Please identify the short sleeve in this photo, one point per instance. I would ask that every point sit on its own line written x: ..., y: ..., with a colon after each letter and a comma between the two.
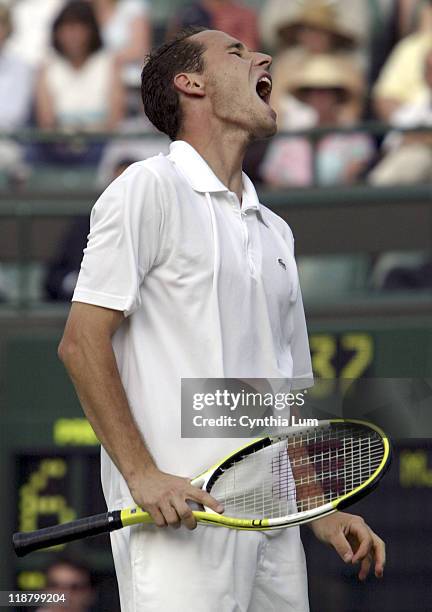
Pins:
x: 124, y: 242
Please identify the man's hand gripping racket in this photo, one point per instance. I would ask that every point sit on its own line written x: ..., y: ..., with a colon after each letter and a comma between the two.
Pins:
x: 165, y: 498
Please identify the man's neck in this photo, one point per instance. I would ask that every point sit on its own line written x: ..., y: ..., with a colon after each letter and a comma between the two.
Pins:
x: 224, y: 156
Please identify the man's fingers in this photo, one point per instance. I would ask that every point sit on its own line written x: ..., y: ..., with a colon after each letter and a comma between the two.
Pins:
x: 185, y: 513
x: 342, y: 546
x: 170, y: 515
x: 205, y: 499
x: 363, y: 534
x: 379, y: 554
x: 365, y: 567
x: 370, y: 546
x: 157, y: 516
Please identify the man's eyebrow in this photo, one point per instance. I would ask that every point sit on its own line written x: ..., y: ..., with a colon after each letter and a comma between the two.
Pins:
x: 236, y: 45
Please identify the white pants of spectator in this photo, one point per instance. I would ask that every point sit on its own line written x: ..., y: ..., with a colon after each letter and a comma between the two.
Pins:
x: 210, y: 569
x: 411, y: 163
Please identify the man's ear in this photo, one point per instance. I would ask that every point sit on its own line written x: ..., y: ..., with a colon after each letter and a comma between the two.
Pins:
x: 189, y: 83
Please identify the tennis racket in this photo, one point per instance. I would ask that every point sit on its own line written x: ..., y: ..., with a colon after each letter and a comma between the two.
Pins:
x: 272, y: 482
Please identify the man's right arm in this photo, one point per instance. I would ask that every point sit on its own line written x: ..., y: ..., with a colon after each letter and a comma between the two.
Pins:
x: 87, y: 353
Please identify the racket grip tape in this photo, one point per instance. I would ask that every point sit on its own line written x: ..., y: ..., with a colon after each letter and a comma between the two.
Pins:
x: 27, y: 542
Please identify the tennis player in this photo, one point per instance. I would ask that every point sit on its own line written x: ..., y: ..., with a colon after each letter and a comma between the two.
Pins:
x: 187, y: 274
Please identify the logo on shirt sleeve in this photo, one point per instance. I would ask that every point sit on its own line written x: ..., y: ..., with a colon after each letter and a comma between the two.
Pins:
x: 282, y: 263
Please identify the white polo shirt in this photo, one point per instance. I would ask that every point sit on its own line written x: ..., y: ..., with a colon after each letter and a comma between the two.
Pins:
x: 209, y: 289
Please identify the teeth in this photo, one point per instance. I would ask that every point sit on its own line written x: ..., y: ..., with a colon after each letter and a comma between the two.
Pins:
x: 265, y: 79
x: 264, y: 87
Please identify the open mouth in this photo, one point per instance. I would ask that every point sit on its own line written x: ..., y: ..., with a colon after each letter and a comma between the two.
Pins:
x: 264, y: 88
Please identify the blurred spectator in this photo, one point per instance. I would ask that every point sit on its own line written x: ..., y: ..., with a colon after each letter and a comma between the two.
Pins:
x: 16, y: 88
x: 281, y: 21
x: 32, y: 21
x: 401, y: 79
x: 376, y: 24
x: 74, y: 579
x: 409, y: 155
x: 326, y: 85
x: 79, y: 87
x: 16, y: 81
x: 62, y: 273
x: 230, y: 16
x: 126, y: 32
x: 312, y: 31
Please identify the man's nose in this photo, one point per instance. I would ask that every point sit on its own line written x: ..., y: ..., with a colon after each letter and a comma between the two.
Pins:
x: 262, y: 59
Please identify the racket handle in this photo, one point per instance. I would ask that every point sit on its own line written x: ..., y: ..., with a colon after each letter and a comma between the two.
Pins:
x: 25, y: 543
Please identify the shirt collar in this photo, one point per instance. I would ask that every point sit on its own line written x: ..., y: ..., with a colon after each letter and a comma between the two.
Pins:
x: 202, y: 178
x: 194, y: 168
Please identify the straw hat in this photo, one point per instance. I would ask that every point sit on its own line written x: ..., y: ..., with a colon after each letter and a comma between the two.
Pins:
x: 316, y: 14
x: 327, y: 72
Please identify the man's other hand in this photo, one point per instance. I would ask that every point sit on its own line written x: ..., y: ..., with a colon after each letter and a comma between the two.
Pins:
x: 353, y: 540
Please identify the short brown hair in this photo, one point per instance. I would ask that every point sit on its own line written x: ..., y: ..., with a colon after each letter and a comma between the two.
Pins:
x: 160, y: 98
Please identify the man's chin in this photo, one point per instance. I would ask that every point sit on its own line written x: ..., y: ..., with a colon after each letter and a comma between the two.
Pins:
x: 272, y: 127
x: 265, y: 128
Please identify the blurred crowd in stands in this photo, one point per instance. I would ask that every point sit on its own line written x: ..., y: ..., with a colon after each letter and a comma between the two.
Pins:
x: 74, y: 66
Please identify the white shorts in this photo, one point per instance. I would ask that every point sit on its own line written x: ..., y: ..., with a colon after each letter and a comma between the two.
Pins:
x: 210, y: 569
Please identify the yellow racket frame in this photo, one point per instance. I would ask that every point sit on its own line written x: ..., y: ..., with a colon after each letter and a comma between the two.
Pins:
x: 137, y: 516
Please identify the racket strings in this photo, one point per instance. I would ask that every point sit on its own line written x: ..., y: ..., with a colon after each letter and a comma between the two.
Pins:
x: 299, y: 472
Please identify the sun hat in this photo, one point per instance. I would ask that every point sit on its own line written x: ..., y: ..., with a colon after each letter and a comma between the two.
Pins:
x: 318, y: 14
x: 326, y: 72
